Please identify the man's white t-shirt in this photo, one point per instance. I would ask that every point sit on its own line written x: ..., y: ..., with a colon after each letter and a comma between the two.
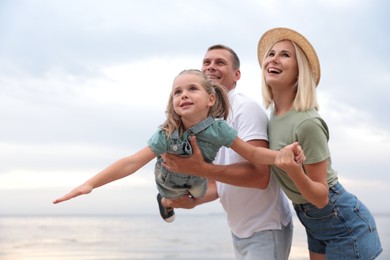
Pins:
x: 250, y: 210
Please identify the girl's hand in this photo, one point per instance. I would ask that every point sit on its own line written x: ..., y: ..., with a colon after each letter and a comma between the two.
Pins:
x: 81, y: 190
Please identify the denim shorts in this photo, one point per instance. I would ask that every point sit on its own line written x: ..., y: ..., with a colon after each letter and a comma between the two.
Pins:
x: 343, y: 229
x: 175, y: 185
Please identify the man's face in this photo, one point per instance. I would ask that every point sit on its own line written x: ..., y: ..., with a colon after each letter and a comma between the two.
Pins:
x: 218, y: 65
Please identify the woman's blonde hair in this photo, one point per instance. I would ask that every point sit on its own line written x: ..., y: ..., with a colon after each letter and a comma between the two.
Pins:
x: 220, y: 109
x: 305, y: 97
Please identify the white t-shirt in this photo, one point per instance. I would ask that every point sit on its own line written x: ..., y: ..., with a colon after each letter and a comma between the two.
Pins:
x: 250, y: 210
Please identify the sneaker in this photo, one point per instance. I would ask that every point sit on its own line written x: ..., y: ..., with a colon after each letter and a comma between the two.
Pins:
x: 168, y: 214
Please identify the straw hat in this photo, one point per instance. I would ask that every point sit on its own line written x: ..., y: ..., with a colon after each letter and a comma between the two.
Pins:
x: 275, y: 35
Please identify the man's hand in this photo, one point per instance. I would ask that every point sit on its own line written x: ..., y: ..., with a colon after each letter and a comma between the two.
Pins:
x: 189, y: 165
x: 185, y: 202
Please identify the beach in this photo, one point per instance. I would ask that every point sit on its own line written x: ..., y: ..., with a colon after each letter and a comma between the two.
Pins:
x: 133, y: 237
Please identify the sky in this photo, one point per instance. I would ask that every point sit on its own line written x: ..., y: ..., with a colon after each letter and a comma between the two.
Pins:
x: 85, y: 83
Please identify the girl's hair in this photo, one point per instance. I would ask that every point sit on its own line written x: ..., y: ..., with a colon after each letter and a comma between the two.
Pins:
x: 305, y: 97
x: 220, y: 109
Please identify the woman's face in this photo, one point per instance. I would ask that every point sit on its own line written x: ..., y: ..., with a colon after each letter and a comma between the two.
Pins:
x: 280, y: 67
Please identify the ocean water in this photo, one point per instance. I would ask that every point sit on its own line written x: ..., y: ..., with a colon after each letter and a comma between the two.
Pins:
x: 133, y: 237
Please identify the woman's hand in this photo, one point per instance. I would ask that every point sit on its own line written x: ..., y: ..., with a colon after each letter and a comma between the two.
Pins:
x: 298, y: 153
x: 290, y: 158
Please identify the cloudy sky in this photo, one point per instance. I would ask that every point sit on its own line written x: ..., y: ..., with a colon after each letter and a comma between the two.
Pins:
x: 84, y: 83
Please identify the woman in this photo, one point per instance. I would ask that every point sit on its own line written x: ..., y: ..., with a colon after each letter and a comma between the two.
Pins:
x: 338, y: 225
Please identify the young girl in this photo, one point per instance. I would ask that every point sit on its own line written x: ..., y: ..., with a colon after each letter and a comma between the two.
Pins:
x: 195, y: 107
x: 338, y: 225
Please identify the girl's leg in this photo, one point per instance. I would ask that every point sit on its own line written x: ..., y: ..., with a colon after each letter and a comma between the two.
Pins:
x: 197, y: 187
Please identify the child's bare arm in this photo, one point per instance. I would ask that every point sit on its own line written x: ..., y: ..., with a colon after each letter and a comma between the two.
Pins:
x: 119, y: 169
x: 255, y: 155
x: 261, y: 155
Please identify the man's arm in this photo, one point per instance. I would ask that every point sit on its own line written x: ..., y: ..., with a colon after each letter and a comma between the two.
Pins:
x: 189, y: 202
x: 242, y: 174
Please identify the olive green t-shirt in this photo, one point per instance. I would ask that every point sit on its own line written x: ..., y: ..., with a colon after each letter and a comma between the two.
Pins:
x: 312, y: 134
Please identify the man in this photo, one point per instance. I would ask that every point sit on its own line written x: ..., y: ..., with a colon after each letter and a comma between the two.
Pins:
x: 257, y: 211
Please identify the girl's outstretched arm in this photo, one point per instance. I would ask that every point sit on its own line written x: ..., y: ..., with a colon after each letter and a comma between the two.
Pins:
x: 119, y: 169
x: 256, y: 155
x: 261, y: 155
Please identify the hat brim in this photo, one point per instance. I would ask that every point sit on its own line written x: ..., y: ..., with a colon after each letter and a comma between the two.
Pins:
x: 275, y: 35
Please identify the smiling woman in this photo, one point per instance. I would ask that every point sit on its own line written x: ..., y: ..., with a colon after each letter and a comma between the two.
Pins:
x: 319, y: 198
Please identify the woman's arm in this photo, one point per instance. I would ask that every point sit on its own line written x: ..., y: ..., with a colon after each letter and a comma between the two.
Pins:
x: 261, y: 155
x: 119, y: 169
x: 311, y: 182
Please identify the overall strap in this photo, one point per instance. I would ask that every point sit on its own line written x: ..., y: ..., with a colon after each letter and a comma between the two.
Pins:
x: 175, y: 135
x: 202, y: 125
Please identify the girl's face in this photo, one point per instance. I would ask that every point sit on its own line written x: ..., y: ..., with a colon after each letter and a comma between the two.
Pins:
x: 280, y: 67
x: 190, y: 99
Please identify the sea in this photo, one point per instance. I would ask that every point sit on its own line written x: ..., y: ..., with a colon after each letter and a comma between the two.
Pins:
x: 203, y: 236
